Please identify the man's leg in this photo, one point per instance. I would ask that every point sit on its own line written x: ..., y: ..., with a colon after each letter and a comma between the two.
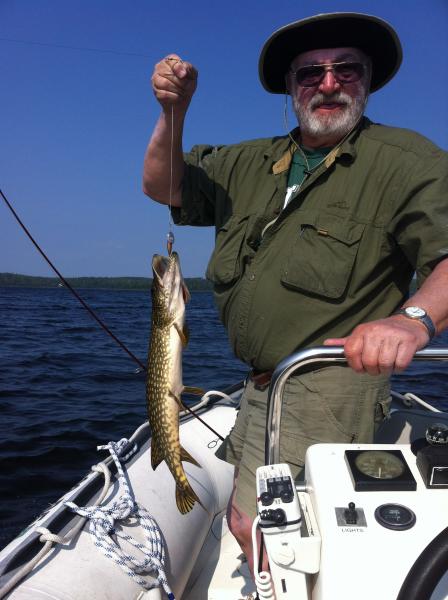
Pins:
x: 332, y: 405
x: 240, y: 524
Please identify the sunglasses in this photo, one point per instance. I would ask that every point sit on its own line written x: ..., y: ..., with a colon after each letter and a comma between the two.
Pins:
x: 343, y: 72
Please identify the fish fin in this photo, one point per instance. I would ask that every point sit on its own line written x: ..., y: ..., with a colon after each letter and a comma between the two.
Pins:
x: 183, y: 334
x: 186, y: 293
x: 185, y: 499
x: 195, y: 391
x: 186, y: 332
x: 186, y: 456
x: 156, y: 454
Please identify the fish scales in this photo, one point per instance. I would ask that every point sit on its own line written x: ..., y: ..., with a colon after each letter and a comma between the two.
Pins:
x: 164, y: 378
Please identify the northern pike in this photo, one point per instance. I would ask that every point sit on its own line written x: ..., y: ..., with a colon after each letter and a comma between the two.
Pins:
x: 169, y: 335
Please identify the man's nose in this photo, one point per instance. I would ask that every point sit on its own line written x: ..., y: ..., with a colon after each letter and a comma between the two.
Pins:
x: 329, y: 83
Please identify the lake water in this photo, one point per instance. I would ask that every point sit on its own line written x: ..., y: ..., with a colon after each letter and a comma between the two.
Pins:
x: 66, y: 387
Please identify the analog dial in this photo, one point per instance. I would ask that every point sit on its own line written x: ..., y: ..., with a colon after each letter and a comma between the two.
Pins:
x: 379, y: 464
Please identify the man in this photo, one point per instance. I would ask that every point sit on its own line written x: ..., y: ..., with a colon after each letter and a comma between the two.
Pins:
x: 318, y: 236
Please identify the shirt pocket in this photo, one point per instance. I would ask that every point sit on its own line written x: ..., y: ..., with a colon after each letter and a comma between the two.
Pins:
x: 322, y: 256
x: 227, y: 260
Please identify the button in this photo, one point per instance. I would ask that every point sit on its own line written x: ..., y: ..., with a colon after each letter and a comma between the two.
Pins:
x: 252, y: 276
x: 286, y: 496
x: 266, y: 499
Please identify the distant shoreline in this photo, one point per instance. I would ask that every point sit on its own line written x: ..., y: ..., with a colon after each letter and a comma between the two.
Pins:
x: 194, y: 284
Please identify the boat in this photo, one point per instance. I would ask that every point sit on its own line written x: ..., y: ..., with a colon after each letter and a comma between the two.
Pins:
x: 368, y: 522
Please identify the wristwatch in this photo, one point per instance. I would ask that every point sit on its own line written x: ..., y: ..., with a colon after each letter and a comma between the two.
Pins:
x: 419, y: 314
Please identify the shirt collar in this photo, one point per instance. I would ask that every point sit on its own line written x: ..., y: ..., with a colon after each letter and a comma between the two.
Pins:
x: 282, y: 150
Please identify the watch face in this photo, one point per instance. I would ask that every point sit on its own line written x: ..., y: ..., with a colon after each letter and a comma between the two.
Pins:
x: 415, y: 312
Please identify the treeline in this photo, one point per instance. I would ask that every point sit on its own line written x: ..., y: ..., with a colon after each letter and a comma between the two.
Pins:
x: 114, y: 283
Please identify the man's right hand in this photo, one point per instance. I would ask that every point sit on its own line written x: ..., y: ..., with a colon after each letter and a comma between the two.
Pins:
x: 174, y: 82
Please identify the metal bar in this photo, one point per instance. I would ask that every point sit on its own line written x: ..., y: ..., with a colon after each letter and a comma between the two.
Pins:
x: 306, y: 360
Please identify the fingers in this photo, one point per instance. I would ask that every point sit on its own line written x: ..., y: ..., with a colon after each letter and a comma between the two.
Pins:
x: 174, y: 81
x: 382, y: 347
x: 335, y: 341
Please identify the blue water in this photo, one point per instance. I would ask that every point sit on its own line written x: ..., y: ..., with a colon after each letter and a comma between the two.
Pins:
x: 66, y: 387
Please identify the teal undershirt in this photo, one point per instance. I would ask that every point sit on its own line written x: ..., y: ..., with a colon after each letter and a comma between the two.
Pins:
x: 298, y: 165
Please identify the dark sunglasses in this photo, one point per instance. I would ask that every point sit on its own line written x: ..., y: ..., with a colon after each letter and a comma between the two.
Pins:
x: 343, y: 72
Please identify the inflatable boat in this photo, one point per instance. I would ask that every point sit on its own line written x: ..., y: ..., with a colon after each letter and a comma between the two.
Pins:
x: 369, y: 521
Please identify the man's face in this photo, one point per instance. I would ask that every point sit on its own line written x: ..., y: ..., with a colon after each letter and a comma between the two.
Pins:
x: 331, y: 108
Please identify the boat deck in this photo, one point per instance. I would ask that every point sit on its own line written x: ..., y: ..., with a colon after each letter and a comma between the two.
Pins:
x: 224, y: 574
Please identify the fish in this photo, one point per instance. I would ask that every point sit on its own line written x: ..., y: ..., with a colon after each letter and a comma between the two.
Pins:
x: 169, y: 336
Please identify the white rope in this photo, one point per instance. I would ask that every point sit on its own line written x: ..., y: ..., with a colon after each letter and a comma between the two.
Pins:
x: 25, y: 570
x: 102, y: 521
x: 205, y: 401
x: 48, y: 539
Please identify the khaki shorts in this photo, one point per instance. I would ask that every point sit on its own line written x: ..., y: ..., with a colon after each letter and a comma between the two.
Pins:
x: 333, y: 404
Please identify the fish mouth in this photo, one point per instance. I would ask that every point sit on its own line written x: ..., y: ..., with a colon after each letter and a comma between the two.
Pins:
x: 161, y: 265
x: 167, y: 273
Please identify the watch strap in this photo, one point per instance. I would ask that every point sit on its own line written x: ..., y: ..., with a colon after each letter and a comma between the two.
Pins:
x: 425, y: 319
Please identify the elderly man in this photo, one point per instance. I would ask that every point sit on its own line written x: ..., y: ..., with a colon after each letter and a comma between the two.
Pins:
x: 318, y: 235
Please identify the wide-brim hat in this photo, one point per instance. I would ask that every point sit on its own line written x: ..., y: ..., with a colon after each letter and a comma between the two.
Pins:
x: 374, y: 36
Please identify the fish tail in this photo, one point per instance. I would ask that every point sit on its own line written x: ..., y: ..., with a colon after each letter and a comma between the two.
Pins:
x: 186, y: 497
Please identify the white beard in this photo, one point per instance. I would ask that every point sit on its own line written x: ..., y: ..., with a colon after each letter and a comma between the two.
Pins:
x: 314, y: 125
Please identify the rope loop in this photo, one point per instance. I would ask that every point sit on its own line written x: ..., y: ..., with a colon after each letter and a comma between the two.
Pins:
x: 47, y: 536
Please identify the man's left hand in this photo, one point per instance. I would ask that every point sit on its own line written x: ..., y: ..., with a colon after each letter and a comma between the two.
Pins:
x: 383, y: 346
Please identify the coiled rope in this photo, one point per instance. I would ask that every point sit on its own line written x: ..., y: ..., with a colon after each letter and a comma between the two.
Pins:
x: 102, y: 520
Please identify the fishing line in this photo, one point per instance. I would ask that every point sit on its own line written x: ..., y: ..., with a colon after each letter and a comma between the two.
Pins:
x: 170, y: 234
x: 87, y: 307
x: 82, y: 48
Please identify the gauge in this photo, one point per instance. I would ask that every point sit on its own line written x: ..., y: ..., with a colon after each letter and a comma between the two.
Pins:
x: 379, y: 464
x: 379, y: 470
x: 395, y: 516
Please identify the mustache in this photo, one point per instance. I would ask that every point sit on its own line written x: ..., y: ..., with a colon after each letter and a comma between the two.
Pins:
x: 339, y: 98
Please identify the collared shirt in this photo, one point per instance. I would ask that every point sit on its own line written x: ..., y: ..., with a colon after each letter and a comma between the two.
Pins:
x: 342, y: 252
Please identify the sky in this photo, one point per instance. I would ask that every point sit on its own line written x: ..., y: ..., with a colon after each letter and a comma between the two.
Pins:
x: 77, y: 111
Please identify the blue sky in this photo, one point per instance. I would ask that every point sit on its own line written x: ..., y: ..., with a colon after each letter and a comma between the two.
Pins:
x: 75, y: 122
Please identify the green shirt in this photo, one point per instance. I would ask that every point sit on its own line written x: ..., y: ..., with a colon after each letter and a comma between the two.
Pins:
x: 342, y: 252
x: 298, y: 171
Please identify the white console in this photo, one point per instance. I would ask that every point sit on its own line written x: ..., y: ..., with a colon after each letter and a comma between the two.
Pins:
x: 371, y: 537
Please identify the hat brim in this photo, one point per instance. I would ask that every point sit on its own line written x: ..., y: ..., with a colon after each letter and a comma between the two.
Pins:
x: 372, y: 35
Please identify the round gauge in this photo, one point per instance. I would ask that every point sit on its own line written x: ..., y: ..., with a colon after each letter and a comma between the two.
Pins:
x: 395, y: 516
x: 379, y: 464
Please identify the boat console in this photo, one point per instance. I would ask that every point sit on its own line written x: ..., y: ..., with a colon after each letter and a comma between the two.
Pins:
x: 355, y: 530
x: 359, y: 525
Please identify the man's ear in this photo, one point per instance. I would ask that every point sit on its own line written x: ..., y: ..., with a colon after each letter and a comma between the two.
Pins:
x: 287, y: 83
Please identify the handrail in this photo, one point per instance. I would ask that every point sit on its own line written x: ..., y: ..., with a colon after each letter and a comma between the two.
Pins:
x: 297, y: 363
